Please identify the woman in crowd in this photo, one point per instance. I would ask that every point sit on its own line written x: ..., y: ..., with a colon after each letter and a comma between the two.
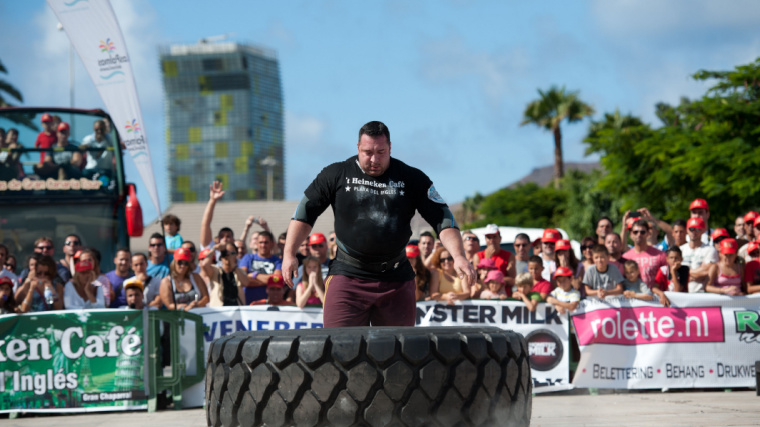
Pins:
x: 225, y: 283
x: 726, y: 275
x: 10, y: 264
x: 43, y: 289
x: 182, y: 289
x: 7, y: 299
x: 84, y: 291
x: 445, y: 283
x: 311, y: 290
x: 93, y: 256
x: 421, y: 274
x: 587, y: 243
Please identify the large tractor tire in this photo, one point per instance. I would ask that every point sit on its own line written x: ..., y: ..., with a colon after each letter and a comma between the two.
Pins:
x: 369, y: 376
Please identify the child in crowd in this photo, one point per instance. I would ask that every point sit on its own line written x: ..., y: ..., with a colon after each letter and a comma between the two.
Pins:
x: 485, y: 266
x: 494, y: 286
x: 536, y: 269
x: 564, y: 297
x: 633, y: 287
x: 171, y: 230
x: 673, y: 277
x: 7, y: 301
x: 524, y: 284
x: 602, y: 279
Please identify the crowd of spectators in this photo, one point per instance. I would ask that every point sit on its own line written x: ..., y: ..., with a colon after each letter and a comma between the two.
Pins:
x: 178, y: 275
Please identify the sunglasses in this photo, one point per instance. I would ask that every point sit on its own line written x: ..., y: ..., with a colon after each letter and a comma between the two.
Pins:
x: 227, y: 253
x: 73, y: 243
x: 44, y: 248
x: 155, y: 245
x: 191, y: 249
x: 587, y: 247
x: 520, y: 245
x: 548, y: 243
x: 693, y: 229
x: 639, y: 232
x: 447, y: 259
x: 468, y: 238
x: 7, y: 264
x: 318, y: 245
x: 183, y: 263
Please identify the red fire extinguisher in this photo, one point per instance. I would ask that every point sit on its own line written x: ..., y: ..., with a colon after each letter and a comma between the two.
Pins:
x: 134, y: 213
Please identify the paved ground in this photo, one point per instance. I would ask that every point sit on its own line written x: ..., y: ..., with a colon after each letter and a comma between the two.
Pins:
x: 567, y: 409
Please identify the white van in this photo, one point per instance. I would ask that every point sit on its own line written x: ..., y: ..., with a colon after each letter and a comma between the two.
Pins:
x: 508, y: 235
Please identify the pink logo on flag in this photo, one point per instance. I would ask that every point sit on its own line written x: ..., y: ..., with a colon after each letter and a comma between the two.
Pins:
x: 649, y: 325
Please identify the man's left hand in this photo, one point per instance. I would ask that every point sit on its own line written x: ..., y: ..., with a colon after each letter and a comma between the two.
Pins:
x: 465, y: 270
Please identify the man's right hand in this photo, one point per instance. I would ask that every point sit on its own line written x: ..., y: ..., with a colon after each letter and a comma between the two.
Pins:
x: 289, y: 268
x: 215, y: 191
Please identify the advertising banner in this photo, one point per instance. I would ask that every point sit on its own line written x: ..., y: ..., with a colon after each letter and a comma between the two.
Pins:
x: 96, y: 36
x: 72, y: 361
x: 702, y: 340
x: 545, y: 329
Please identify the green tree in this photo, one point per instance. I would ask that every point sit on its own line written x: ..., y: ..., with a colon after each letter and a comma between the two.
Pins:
x: 548, y: 112
x: 526, y: 205
x: 7, y: 89
x: 707, y: 147
x: 584, y: 204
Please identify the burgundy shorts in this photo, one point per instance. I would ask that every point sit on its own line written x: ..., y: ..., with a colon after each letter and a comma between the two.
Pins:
x: 357, y: 302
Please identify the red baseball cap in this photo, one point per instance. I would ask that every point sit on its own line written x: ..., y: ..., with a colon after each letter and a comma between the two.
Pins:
x: 757, y: 221
x: 183, y: 254
x: 46, y: 118
x: 5, y: 280
x: 750, y: 216
x: 551, y: 236
x: 562, y: 245
x: 487, y: 263
x: 695, y: 222
x: 537, y: 242
x: 699, y: 204
x: 412, y: 251
x: 276, y: 280
x: 63, y: 126
x: 752, y: 247
x: 204, y: 253
x: 317, y: 238
x: 84, y: 265
x: 719, y: 233
x: 495, y: 276
x: 729, y: 246
x: 629, y: 222
x: 563, y: 272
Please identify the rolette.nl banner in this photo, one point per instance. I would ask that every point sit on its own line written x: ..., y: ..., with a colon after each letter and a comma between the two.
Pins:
x: 96, y: 36
x: 702, y: 340
x: 72, y: 361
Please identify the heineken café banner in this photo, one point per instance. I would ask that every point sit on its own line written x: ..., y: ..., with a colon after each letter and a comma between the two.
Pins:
x: 72, y: 361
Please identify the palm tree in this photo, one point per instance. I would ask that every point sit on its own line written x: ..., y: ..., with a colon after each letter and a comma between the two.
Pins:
x: 8, y: 88
x: 552, y: 107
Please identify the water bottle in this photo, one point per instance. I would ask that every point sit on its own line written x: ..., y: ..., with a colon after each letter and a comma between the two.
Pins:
x: 49, y: 296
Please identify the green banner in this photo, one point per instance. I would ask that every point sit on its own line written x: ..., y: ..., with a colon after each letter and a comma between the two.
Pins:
x: 72, y: 361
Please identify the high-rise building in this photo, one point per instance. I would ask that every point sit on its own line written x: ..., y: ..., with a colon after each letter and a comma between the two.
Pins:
x: 224, y: 121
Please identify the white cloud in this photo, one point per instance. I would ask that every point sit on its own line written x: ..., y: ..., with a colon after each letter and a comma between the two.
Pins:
x: 304, y: 130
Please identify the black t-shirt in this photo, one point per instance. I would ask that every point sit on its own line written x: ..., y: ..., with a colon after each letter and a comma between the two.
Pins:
x: 373, y: 214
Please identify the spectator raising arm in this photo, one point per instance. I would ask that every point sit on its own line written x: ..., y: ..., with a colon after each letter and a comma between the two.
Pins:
x: 215, y: 194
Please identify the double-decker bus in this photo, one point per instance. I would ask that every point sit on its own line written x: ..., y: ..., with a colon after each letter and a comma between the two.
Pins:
x: 44, y: 193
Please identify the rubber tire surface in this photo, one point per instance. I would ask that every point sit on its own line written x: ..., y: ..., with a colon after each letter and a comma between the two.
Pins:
x: 369, y: 376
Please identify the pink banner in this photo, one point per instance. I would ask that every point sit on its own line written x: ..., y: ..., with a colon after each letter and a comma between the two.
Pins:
x: 649, y: 325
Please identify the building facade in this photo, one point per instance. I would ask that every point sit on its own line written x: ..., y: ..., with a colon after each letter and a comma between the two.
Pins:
x: 224, y: 116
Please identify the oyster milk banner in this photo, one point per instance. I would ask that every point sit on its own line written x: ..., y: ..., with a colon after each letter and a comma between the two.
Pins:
x: 94, y: 32
x: 701, y: 340
x: 545, y: 330
x: 72, y: 361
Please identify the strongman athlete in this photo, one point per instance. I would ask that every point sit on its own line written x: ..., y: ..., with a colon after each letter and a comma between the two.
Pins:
x: 374, y: 198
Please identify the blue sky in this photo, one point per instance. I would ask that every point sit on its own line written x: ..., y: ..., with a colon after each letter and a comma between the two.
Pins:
x: 449, y: 77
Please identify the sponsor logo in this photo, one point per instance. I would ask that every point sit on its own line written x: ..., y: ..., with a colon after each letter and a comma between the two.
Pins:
x: 434, y: 196
x: 649, y: 325
x: 134, y: 141
x: 544, y: 349
x: 486, y: 314
x: 132, y: 126
x: 614, y: 373
x: 111, y: 66
x: 748, y: 326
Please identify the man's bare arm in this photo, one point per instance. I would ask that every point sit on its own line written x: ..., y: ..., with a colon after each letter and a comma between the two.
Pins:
x: 452, y: 241
x: 297, y: 233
